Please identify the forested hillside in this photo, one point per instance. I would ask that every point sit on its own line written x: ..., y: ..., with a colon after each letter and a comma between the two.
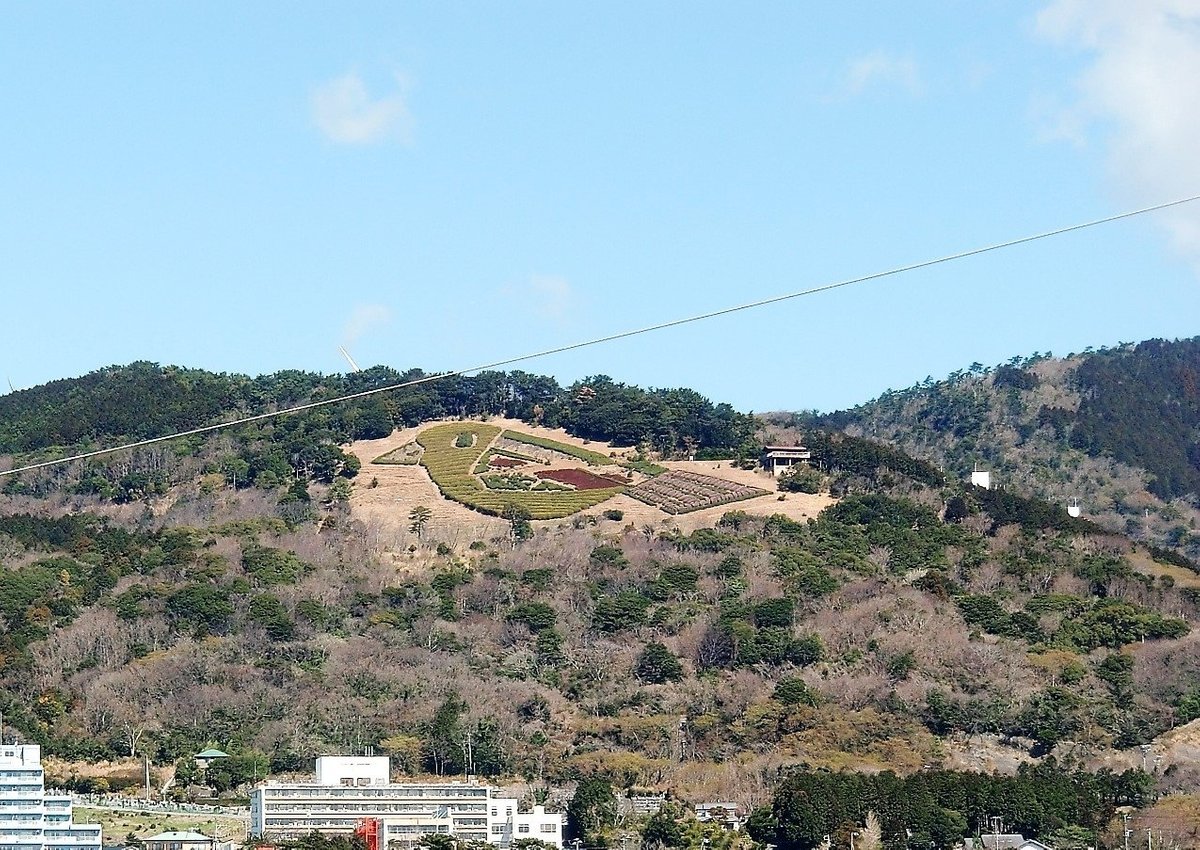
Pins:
x: 224, y: 591
x: 1117, y: 429
x: 579, y: 650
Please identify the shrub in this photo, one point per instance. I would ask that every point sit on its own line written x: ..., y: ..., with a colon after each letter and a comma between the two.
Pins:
x: 658, y: 665
x: 806, y: 650
x: 620, y: 611
x: 538, y: 578
x: 774, y: 612
x: 268, y: 612
x: 678, y: 578
x: 267, y: 566
x: 203, y: 606
x: 794, y: 691
x: 801, y: 478
x: 609, y: 556
x: 538, y: 616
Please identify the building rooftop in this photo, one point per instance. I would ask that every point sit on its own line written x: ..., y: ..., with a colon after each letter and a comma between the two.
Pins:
x: 210, y: 753
x: 179, y: 836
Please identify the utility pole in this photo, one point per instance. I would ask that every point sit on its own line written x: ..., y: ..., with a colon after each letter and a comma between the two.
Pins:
x: 995, y: 819
x: 1149, y: 839
x: 1128, y: 832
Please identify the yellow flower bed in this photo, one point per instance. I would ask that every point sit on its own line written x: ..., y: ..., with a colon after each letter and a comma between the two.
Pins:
x: 450, y: 468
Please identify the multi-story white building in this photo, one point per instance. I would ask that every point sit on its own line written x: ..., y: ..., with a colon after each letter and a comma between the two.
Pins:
x: 538, y: 823
x: 348, y: 790
x: 31, y: 819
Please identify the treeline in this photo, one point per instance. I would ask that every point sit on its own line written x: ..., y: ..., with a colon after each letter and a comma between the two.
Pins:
x: 841, y: 453
x: 144, y: 400
x: 941, y: 807
x: 1008, y: 508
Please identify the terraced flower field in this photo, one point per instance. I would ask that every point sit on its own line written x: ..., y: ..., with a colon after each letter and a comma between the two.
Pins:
x: 678, y: 491
x: 450, y: 466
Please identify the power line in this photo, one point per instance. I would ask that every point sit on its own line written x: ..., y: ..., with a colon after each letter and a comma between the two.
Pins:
x: 725, y: 311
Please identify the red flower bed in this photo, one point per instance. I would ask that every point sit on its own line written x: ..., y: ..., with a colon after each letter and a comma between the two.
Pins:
x: 504, y: 462
x: 581, y: 479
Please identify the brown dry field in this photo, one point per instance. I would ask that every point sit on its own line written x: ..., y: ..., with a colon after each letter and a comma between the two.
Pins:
x: 385, y: 508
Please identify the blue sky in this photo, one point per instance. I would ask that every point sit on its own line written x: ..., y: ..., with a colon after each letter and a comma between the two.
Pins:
x: 245, y: 186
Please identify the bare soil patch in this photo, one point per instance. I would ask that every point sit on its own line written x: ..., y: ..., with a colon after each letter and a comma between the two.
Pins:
x: 385, y: 507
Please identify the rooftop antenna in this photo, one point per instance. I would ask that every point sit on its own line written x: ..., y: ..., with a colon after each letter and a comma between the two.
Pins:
x: 353, y: 366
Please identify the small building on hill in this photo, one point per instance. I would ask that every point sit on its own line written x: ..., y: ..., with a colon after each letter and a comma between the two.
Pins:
x: 723, y: 813
x: 779, y: 459
x: 981, y: 478
x: 207, y: 757
x: 644, y: 804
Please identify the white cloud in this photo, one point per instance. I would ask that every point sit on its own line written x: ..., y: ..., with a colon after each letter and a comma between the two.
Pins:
x: 552, y: 296
x: 882, y: 69
x: 548, y: 296
x: 1137, y: 95
x: 364, y: 319
x: 346, y: 113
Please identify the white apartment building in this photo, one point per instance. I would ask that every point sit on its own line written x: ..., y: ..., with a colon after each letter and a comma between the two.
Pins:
x: 31, y: 819
x: 540, y: 824
x: 348, y: 790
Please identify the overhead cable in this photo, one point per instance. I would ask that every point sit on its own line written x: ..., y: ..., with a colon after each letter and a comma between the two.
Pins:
x: 763, y: 302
